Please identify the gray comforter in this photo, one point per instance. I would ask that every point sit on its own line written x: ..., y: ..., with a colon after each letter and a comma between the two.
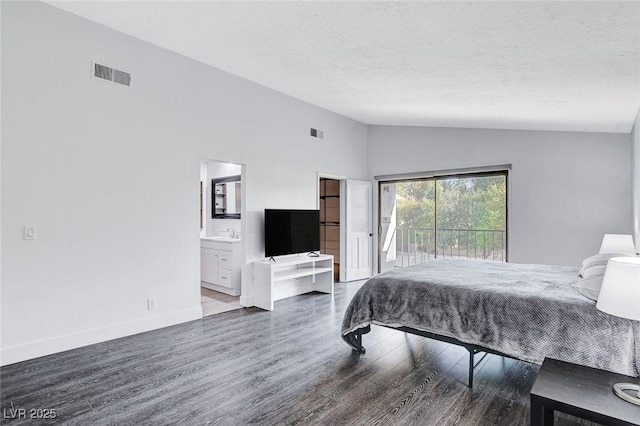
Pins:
x: 528, y: 312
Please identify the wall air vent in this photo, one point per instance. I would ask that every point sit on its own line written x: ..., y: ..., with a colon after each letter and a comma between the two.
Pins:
x: 121, y: 77
x: 101, y: 71
x: 111, y: 74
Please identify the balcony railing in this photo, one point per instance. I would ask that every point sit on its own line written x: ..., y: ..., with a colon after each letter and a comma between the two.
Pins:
x: 415, y: 246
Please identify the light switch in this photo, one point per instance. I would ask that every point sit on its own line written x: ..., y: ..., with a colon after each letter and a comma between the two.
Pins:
x: 30, y: 232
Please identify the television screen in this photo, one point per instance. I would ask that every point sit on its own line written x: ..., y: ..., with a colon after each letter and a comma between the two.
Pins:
x: 291, y: 231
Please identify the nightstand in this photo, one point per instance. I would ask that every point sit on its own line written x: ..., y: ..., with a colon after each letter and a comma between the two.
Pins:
x: 582, y: 392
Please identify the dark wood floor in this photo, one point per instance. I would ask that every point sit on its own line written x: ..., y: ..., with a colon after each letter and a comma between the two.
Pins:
x: 288, y: 366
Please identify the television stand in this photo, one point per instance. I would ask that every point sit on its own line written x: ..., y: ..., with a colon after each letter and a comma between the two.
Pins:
x: 291, y: 276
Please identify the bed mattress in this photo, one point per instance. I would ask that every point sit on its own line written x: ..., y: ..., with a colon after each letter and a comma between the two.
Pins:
x: 526, y: 311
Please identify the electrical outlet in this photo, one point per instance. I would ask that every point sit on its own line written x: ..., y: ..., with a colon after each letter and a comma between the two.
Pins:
x: 151, y: 304
x: 29, y: 232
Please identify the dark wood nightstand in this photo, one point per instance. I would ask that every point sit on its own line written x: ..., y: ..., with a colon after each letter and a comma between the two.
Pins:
x: 582, y: 392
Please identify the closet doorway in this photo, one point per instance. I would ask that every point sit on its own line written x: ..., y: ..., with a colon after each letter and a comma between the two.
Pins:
x: 329, y: 190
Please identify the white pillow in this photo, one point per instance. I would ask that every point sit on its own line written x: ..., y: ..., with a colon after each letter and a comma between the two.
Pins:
x: 590, y: 287
x: 593, y: 270
x: 596, y: 264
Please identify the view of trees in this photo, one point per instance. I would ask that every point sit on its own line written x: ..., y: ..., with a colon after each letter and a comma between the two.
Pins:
x: 465, y: 211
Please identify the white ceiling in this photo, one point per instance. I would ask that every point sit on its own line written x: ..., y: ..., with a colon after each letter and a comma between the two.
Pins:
x: 561, y: 65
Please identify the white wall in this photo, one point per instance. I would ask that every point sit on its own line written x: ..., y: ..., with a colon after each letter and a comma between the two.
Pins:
x: 566, y: 189
x: 109, y: 175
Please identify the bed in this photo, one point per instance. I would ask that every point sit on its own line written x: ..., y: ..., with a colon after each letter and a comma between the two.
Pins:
x: 526, y: 312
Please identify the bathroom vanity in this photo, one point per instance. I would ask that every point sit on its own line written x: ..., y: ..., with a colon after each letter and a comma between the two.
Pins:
x: 220, y: 264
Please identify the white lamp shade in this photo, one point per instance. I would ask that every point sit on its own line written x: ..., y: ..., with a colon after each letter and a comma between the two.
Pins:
x: 617, y: 243
x: 620, y: 291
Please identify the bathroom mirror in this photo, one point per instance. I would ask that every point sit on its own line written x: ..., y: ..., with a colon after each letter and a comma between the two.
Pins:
x: 226, y: 197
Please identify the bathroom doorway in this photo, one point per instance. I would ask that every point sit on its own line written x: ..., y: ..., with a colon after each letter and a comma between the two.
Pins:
x: 222, y: 251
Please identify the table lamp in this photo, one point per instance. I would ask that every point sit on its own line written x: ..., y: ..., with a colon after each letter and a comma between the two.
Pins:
x: 620, y: 296
x: 618, y: 243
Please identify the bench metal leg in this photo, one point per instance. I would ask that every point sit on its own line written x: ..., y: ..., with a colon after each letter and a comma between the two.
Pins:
x: 540, y: 415
x: 471, y: 367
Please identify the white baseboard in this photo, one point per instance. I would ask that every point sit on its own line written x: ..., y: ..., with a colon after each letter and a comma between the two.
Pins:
x: 53, y: 345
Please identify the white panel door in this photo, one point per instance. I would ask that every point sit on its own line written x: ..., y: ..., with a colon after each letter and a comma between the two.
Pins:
x: 358, y: 231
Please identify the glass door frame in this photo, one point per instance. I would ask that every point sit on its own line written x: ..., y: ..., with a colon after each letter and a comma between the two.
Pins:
x: 436, y: 177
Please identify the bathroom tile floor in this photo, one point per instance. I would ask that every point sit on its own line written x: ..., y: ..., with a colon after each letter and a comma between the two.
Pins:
x: 214, y: 302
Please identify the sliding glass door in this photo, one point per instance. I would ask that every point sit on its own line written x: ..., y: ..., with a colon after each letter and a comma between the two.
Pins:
x: 458, y: 216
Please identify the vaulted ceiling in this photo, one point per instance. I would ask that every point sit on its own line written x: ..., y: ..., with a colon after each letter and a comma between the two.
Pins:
x: 559, y: 65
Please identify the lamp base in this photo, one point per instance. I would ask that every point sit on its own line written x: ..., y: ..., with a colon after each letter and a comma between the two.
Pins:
x: 620, y: 388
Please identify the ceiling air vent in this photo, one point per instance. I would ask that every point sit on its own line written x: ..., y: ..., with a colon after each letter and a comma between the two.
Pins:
x: 111, y: 74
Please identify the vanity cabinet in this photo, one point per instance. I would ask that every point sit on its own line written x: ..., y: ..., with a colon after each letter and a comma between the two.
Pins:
x: 220, y: 265
x: 209, y: 260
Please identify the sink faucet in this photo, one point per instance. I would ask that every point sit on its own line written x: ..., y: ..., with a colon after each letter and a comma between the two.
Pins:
x: 233, y: 232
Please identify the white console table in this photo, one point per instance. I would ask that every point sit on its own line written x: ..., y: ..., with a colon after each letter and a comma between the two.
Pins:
x: 289, y: 276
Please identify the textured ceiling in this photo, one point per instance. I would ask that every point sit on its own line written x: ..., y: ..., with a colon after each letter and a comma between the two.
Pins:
x: 563, y: 65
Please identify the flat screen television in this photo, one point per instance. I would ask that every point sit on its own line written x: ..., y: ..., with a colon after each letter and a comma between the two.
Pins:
x: 291, y: 231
